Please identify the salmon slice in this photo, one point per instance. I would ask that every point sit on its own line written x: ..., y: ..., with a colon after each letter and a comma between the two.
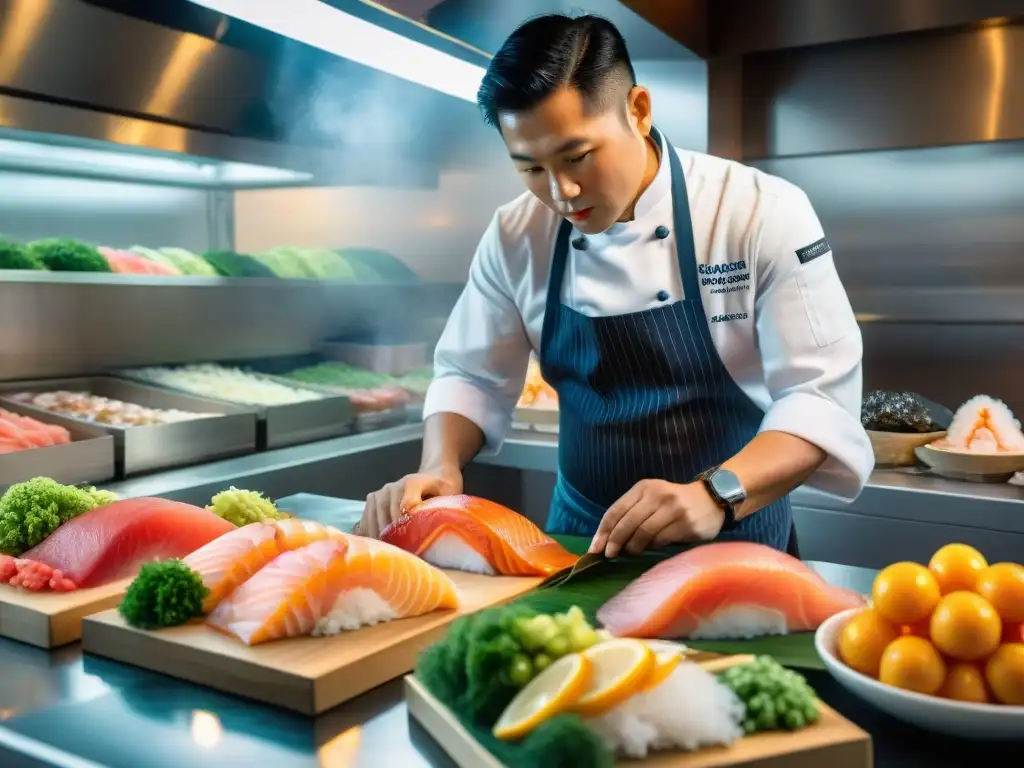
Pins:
x: 340, y: 583
x: 472, y: 534
x: 113, y: 541
x: 725, y: 590
x: 233, y: 558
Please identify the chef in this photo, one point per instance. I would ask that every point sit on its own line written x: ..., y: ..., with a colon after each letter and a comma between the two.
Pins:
x: 685, y: 308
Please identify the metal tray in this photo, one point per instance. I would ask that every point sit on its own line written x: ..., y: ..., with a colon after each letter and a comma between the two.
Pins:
x: 279, y: 426
x: 138, y: 450
x: 88, y: 458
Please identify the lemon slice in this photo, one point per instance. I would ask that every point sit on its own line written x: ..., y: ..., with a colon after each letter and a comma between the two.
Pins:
x: 551, y: 692
x: 621, y: 668
x: 665, y: 663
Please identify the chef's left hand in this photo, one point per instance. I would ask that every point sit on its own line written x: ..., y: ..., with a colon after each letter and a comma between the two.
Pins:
x: 657, y: 512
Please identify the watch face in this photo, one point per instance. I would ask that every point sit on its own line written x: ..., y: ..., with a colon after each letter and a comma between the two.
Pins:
x: 728, y: 486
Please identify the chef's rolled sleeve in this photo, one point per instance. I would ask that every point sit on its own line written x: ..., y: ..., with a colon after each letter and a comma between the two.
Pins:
x: 481, y: 358
x: 811, y: 344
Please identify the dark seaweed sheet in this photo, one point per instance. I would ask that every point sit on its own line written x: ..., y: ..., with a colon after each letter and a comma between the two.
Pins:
x: 908, y: 412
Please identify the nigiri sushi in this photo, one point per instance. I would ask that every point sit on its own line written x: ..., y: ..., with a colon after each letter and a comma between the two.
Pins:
x: 472, y: 534
x: 335, y: 584
x: 725, y: 590
x: 231, y: 559
x: 983, y: 425
x: 111, y: 542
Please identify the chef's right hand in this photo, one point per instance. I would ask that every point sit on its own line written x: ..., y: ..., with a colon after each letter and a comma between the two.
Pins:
x: 391, y: 501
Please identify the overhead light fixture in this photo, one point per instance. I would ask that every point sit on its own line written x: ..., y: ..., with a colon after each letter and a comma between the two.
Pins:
x: 332, y: 30
x: 33, y: 157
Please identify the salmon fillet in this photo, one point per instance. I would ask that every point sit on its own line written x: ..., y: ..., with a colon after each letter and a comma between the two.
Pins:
x: 335, y: 584
x: 231, y: 559
x: 725, y: 590
x: 473, y: 534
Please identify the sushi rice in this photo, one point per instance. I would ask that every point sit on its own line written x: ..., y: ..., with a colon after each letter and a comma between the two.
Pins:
x: 450, y: 551
x: 691, y: 709
x: 352, y: 609
x: 984, y: 424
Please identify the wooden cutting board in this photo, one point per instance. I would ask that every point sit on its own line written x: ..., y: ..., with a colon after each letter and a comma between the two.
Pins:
x: 52, y: 619
x: 307, y: 674
x: 833, y: 741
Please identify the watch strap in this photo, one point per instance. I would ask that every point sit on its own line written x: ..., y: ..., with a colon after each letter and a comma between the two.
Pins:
x: 725, y: 505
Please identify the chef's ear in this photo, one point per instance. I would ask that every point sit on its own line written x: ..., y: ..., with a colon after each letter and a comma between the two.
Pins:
x: 638, y: 106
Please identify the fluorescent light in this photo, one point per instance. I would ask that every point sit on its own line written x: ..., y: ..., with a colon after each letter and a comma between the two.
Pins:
x: 36, y: 157
x: 329, y: 29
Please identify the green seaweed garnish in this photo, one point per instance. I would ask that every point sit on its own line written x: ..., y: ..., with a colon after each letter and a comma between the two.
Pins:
x: 165, y: 594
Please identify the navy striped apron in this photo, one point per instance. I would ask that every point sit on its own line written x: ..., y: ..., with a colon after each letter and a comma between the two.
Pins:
x: 644, y: 396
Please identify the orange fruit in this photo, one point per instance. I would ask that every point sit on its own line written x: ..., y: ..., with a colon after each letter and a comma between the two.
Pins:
x: 965, y: 682
x: 1004, y: 673
x: 905, y: 593
x: 956, y: 567
x: 863, y: 639
x: 965, y: 626
x: 912, y: 663
x: 1002, y: 585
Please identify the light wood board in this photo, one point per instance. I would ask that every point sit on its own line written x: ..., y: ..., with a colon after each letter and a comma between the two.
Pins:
x: 52, y: 619
x: 306, y: 674
x: 833, y: 741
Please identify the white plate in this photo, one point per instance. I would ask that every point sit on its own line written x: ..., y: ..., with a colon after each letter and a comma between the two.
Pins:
x: 971, y: 721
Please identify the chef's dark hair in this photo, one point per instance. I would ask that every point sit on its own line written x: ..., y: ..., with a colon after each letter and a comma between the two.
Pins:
x: 552, y: 51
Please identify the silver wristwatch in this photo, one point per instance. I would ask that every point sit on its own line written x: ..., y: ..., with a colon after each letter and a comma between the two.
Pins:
x: 727, y: 491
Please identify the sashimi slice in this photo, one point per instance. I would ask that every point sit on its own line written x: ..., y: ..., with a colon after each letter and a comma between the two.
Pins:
x: 233, y: 558
x: 472, y: 534
x: 725, y: 590
x: 340, y: 583
x: 111, y: 542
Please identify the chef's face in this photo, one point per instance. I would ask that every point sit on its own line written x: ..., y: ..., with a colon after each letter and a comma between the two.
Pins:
x: 585, y: 164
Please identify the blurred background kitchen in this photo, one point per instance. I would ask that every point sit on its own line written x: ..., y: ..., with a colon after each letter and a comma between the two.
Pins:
x: 312, y: 187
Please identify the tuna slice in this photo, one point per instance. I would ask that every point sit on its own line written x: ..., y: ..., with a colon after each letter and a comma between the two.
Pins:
x: 111, y: 542
x: 725, y: 590
x: 228, y: 561
x: 472, y: 534
x: 341, y: 583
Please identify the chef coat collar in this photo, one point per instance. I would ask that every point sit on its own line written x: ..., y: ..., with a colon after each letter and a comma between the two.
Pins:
x: 656, y: 191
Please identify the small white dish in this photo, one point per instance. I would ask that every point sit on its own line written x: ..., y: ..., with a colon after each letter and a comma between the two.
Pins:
x: 965, y: 465
x: 970, y: 721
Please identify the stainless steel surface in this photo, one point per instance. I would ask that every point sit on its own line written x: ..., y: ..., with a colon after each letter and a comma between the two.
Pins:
x: 927, y: 242
x: 738, y: 26
x: 72, y: 127
x: 89, y: 458
x: 485, y: 25
x: 351, y: 467
x: 143, y: 449
x: 928, y: 89
x: 288, y: 424
x: 66, y: 324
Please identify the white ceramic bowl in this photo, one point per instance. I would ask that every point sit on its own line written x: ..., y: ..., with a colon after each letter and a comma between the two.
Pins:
x: 972, y: 721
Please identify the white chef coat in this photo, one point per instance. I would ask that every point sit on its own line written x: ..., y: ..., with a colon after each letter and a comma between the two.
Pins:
x: 784, y: 328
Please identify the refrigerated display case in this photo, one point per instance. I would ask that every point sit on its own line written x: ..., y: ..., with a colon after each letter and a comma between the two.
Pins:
x: 200, y: 214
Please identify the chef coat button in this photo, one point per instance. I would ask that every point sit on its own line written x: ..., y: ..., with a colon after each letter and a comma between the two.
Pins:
x: 661, y: 232
x: 580, y: 243
x: 662, y: 295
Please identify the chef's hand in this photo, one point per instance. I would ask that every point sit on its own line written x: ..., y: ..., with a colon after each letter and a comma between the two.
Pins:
x: 657, y: 512
x: 391, y: 501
